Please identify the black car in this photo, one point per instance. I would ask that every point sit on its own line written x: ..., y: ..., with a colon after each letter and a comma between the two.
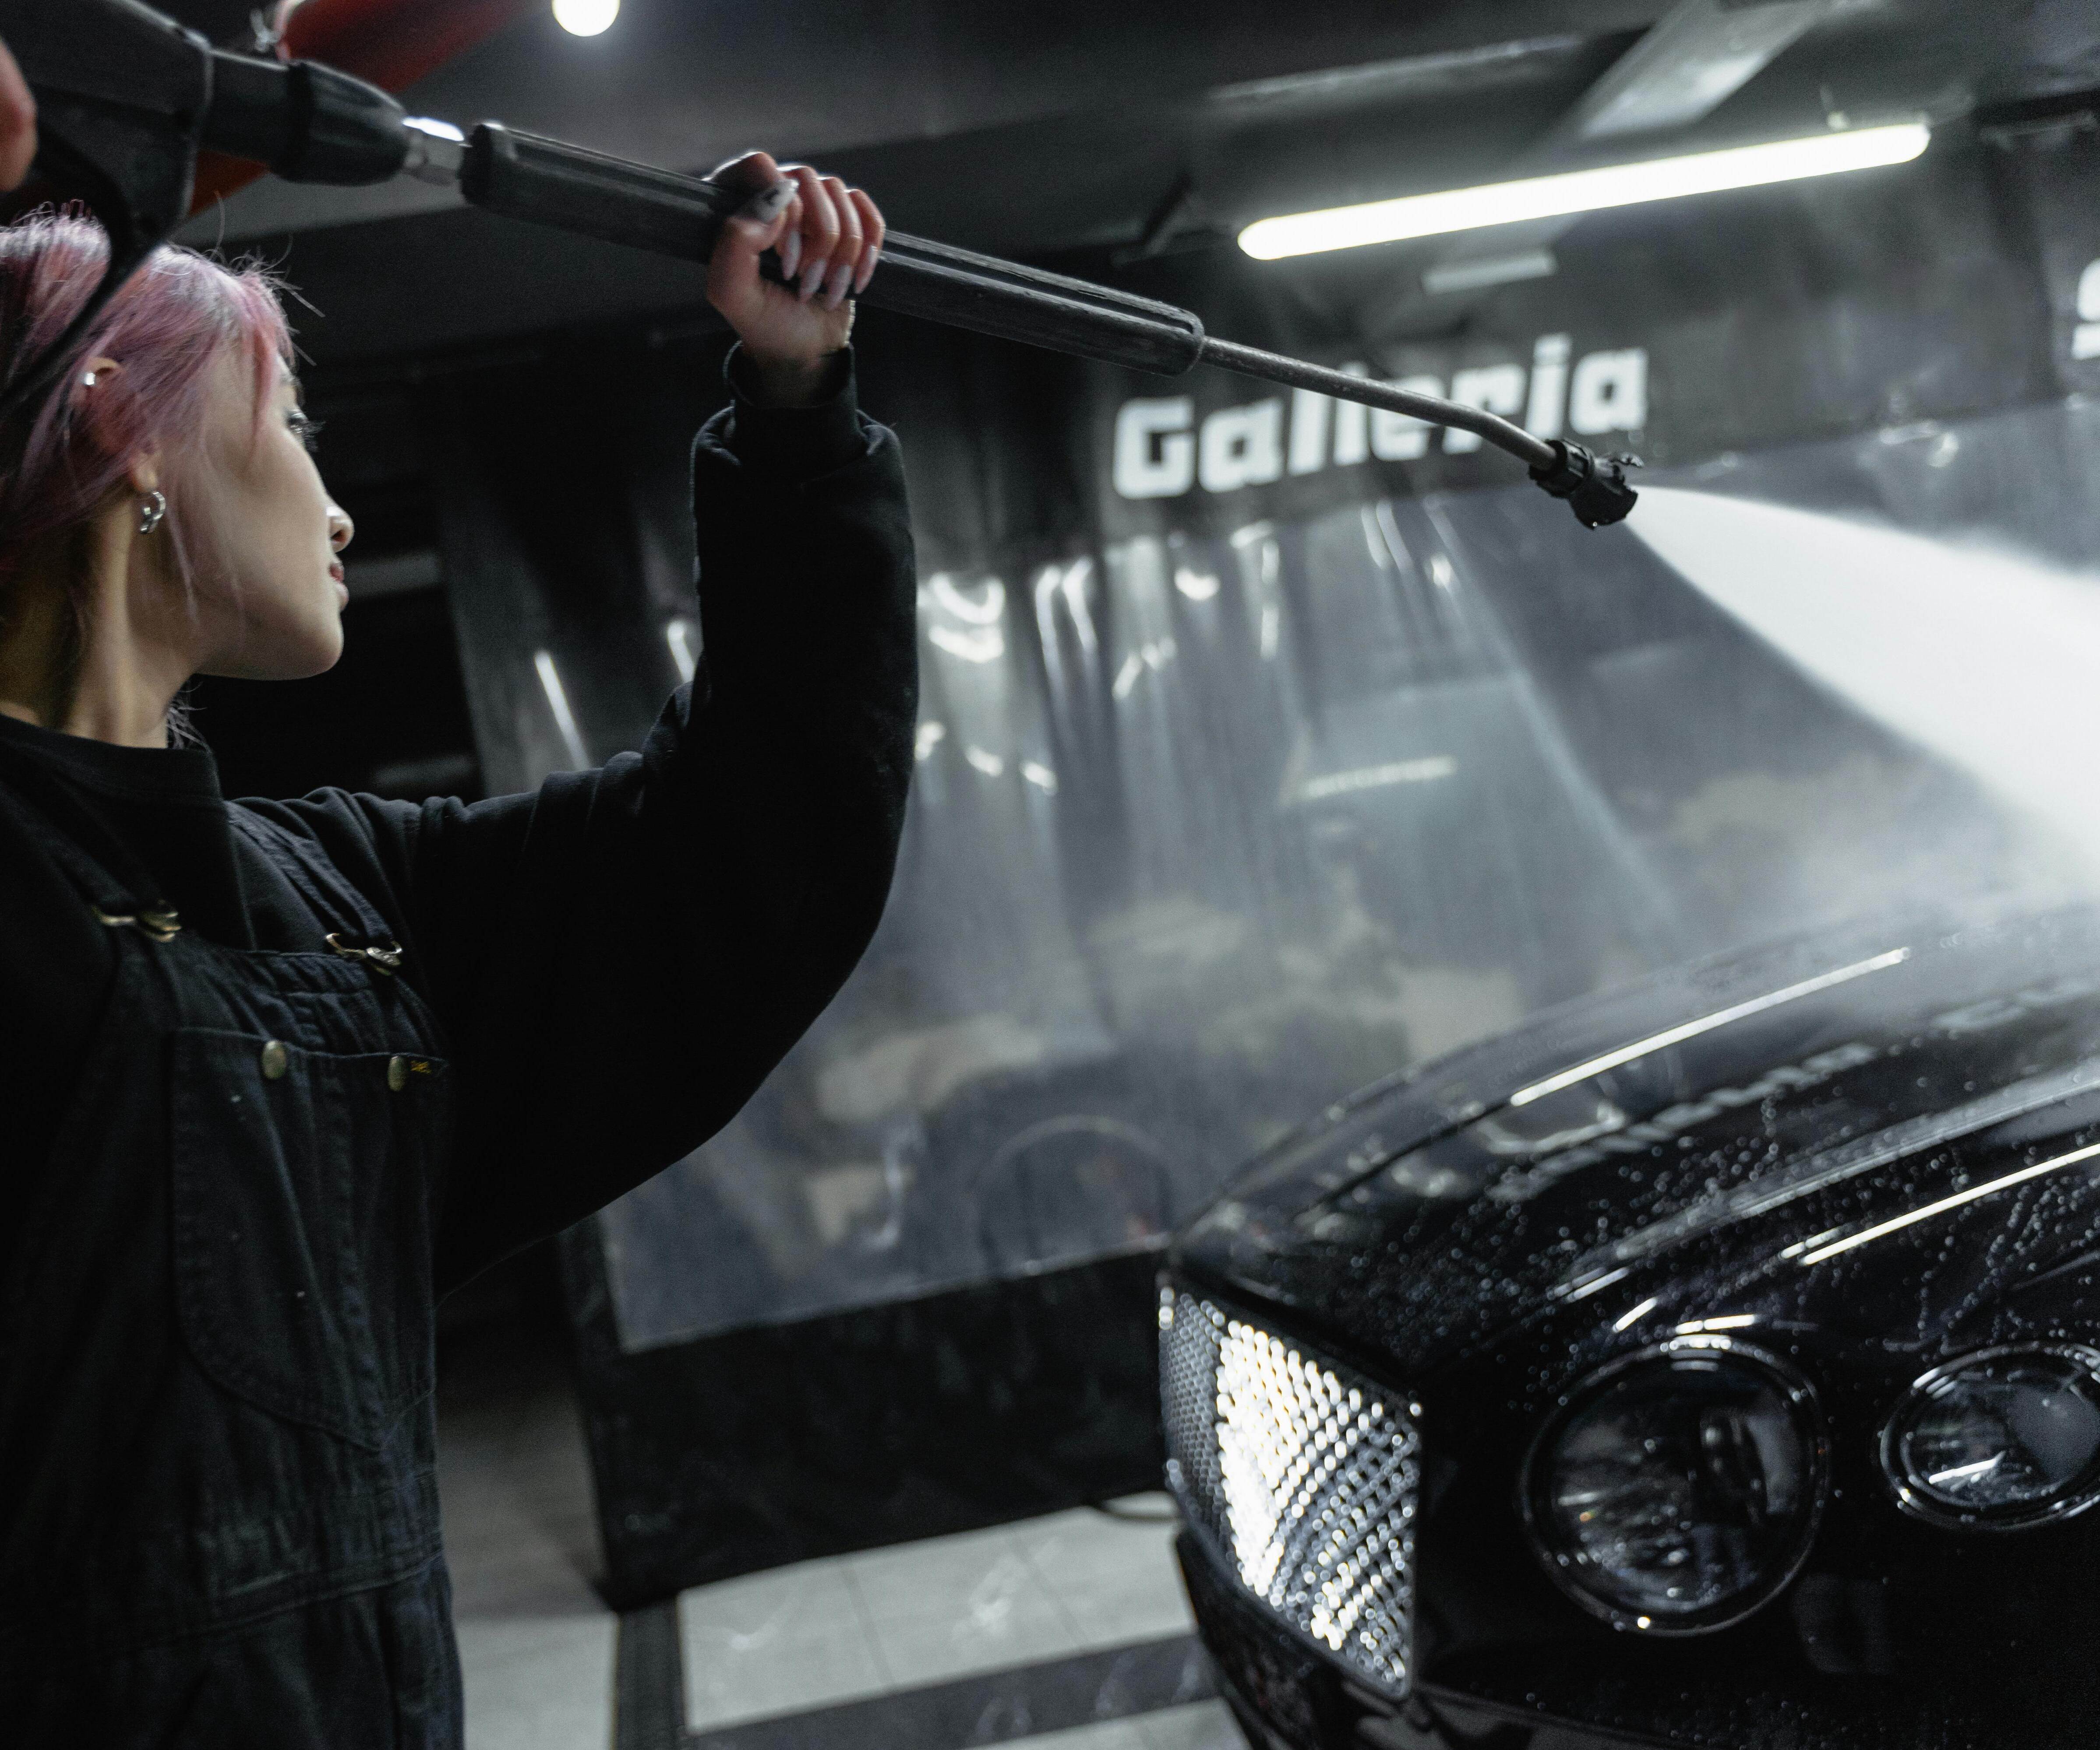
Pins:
x: 1714, y: 1362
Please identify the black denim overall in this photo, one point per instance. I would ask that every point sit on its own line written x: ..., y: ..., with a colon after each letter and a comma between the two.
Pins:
x: 219, y: 1515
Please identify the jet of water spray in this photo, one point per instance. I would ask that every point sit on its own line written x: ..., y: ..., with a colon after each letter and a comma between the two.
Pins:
x: 1987, y: 657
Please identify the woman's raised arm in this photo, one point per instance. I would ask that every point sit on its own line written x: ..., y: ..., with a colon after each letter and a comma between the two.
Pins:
x: 620, y: 957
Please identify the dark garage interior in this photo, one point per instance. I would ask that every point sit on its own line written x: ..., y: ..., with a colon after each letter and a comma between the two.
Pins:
x: 1460, y: 1128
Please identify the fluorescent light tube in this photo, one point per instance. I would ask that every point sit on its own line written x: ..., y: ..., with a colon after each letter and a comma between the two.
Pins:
x: 1424, y: 215
x: 1477, y: 276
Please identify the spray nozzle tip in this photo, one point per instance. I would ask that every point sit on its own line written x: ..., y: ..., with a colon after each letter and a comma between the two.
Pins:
x: 1595, y: 487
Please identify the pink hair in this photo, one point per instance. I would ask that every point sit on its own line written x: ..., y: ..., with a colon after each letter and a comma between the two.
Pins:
x: 165, y: 327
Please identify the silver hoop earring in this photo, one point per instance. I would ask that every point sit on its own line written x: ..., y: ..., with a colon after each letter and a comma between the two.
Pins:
x: 151, y: 508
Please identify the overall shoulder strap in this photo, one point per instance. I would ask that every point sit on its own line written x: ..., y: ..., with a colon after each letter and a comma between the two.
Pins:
x: 109, y: 876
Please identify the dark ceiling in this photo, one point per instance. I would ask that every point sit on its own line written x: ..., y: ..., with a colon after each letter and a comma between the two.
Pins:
x: 1041, y: 131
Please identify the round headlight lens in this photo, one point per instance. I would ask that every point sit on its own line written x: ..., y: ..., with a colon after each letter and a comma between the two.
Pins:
x: 1999, y: 1439
x: 1679, y: 1489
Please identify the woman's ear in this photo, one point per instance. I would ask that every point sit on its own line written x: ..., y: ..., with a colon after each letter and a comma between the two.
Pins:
x: 100, y: 389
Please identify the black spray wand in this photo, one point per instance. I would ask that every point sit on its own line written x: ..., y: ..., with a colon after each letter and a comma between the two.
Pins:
x: 127, y: 97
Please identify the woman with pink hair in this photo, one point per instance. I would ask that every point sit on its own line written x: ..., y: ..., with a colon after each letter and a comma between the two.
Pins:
x: 277, y: 1075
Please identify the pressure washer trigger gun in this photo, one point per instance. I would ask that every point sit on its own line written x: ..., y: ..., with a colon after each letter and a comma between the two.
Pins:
x: 1595, y: 487
x: 126, y: 98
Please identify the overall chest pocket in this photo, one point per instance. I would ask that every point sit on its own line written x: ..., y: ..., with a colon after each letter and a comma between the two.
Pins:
x: 301, y: 1202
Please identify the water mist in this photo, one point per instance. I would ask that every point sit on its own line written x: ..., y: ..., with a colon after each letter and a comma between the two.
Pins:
x: 1987, y: 657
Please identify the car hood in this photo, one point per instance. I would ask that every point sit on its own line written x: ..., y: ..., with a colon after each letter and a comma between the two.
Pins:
x: 1752, y: 1111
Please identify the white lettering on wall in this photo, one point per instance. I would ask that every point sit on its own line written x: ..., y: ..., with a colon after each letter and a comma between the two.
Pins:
x: 1493, y: 388
x: 1310, y: 413
x: 1155, y: 457
x: 1549, y: 386
x: 1161, y: 453
x: 2085, y: 337
x: 1609, y: 392
x: 1241, y: 446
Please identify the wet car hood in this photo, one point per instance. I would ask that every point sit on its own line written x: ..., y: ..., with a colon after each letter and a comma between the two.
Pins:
x: 1761, y: 1107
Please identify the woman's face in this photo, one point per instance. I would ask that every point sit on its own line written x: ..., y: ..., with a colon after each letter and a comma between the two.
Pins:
x: 269, y: 594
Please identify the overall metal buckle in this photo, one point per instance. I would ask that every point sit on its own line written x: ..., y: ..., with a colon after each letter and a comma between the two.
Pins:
x: 386, y: 958
x: 159, y: 926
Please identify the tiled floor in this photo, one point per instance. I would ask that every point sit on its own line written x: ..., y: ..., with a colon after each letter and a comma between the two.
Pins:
x: 1083, y: 1607
x: 821, y: 1632
x: 1199, y: 1726
x: 923, y: 1614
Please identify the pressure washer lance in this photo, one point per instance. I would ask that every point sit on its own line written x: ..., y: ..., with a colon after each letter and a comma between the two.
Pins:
x: 126, y: 98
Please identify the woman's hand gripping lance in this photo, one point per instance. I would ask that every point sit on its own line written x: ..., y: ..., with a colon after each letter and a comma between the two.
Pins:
x: 824, y: 238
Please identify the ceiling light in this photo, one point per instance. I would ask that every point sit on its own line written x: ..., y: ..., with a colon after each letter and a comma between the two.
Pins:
x: 1422, y: 215
x: 1477, y: 276
x: 586, y: 18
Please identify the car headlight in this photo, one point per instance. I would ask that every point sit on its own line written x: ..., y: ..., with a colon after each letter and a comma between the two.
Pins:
x: 2000, y: 1439
x: 1302, y: 1474
x: 1679, y: 1488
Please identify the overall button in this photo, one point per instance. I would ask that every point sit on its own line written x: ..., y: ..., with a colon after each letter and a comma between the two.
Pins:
x: 401, y: 1070
x: 276, y: 1060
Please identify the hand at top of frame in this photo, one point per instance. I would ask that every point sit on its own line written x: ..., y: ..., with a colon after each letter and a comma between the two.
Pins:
x: 18, y: 123
x: 827, y: 236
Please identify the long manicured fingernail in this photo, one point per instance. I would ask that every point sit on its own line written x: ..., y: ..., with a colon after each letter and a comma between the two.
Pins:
x: 866, y: 270
x: 813, y: 276
x: 790, y: 255
x: 835, y: 283
x: 766, y: 205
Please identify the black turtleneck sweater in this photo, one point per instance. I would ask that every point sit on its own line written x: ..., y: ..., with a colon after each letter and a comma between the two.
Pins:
x: 619, y: 958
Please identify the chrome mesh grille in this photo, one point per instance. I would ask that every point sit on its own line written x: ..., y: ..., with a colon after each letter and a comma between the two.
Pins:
x: 1304, y: 1474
